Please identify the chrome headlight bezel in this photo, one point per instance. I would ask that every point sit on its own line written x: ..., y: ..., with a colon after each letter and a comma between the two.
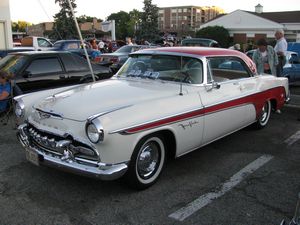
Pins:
x: 94, y: 131
x: 19, y: 108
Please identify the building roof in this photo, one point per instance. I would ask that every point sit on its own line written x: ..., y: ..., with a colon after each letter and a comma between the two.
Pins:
x: 280, y: 17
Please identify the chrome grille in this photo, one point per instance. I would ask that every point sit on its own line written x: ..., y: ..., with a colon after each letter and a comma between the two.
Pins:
x: 58, y: 145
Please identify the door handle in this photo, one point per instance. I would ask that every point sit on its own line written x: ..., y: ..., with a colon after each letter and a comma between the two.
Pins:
x: 62, y: 76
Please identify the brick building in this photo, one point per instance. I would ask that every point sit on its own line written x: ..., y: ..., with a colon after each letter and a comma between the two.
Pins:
x: 185, y: 19
x: 42, y: 28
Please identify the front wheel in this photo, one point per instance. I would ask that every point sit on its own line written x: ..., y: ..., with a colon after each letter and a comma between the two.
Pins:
x: 264, y: 115
x: 147, y: 162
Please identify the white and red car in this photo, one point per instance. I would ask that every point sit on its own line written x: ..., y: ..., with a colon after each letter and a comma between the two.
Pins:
x: 163, y: 102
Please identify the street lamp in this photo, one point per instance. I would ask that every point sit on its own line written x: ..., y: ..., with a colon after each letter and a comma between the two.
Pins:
x: 182, y: 25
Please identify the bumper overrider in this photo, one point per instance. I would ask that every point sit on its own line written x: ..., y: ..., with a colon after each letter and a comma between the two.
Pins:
x: 45, y: 150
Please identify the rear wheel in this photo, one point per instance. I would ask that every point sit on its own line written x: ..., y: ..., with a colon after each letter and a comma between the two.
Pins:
x: 147, y: 162
x: 264, y: 115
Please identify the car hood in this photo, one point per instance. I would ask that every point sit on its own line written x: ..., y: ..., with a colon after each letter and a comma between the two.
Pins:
x: 103, y: 97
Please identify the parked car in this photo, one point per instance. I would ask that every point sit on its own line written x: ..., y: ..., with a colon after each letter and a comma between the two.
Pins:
x: 35, y: 71
x: 199, y: 42
x: 73, y: 46
x: 116, y: 59
x: 162, y: 103
x: 294, y: 47
x: 36, y: 43
x: 291, y: 69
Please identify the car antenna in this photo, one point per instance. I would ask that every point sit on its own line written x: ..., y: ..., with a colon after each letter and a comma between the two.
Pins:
x: 180, y: 90
x: 81, y: 40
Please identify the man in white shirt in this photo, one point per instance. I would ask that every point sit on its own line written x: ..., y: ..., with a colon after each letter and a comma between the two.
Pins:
x: 280, y: 48
x: 128, y: 41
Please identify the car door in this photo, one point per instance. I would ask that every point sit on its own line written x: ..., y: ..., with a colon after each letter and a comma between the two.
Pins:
x: 76, y: 67
x: 42, y: 72
x: 224, y: 97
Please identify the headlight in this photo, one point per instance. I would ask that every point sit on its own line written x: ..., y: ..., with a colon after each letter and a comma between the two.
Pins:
x: 19, y: 108
x: 94, y: 131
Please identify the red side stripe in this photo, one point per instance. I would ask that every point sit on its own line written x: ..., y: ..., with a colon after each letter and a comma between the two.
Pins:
x: 258, y: 100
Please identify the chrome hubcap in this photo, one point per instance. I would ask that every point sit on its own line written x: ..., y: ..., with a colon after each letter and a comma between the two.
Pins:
x: 148, y: 160
x: 264, y: 113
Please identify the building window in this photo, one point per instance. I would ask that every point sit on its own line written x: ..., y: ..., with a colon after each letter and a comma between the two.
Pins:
x: 174, y: 11
x: 185, y: 10
x: 161, y: 11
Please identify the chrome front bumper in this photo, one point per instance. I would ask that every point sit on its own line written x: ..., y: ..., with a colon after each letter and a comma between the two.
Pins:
x: 83, y: 167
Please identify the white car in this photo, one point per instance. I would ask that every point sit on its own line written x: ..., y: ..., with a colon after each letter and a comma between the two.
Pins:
x: 162, y: 103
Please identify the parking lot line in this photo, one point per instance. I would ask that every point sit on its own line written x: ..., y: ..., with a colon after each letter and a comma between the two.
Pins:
x: 207, y: 198
x: 292, y: 139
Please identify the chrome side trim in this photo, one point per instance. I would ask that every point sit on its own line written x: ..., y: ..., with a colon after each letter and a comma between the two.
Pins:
x: 92, y: 117
x: 153, y: 121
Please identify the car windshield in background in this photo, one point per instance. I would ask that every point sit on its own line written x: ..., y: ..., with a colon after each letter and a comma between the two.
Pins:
x: 12, y: 63
x: 127, y: 49
x: 164, y: 67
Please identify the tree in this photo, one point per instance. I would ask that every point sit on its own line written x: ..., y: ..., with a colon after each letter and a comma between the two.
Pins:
x: 20, y: 26
x: 149, y: 24
x: 64, y: 26
x: 134, y: 23
x: 121, y: 21
x: 84, y: 19
x: 218, y: 33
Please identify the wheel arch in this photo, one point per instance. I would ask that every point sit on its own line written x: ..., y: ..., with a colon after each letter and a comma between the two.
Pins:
x: 169, y: 141
x: 273, y: 104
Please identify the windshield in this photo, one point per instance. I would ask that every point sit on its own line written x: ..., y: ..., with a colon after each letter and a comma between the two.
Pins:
x: 12, y: 63
x: 164, y: 67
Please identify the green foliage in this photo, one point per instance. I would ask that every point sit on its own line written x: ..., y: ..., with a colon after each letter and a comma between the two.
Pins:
x: 84, y: 19
x: 218, y: 33
x: 134, y: 23
x: 64, y: 26
x: 121, y: 19
x: 20, y: 26
x: 149, y: 22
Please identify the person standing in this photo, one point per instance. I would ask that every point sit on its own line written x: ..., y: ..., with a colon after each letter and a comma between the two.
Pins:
x: 128, y: 41
x: 265, y: 58
x: 280, y: 48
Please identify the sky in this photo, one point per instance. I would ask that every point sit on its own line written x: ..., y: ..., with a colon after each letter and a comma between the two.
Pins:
x: 37, y: 11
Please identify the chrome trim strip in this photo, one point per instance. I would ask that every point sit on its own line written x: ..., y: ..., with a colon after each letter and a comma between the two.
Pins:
x: 51, y: 113
x: 153, y: 121
x: 90, y: 118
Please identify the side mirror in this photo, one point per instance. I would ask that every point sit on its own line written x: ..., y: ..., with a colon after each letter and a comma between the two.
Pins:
x: 212, y: 85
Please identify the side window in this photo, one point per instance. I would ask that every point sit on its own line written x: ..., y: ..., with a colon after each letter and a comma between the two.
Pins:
x: 71, y: 46
x: 74, y: 63
x: 227, y: 68
x: 44, y: 66
x: 43, y: 42
x: 193, y: 69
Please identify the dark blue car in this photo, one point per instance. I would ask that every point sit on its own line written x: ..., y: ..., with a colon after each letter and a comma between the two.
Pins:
x: 73, y: 46
x: 291, y: 69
